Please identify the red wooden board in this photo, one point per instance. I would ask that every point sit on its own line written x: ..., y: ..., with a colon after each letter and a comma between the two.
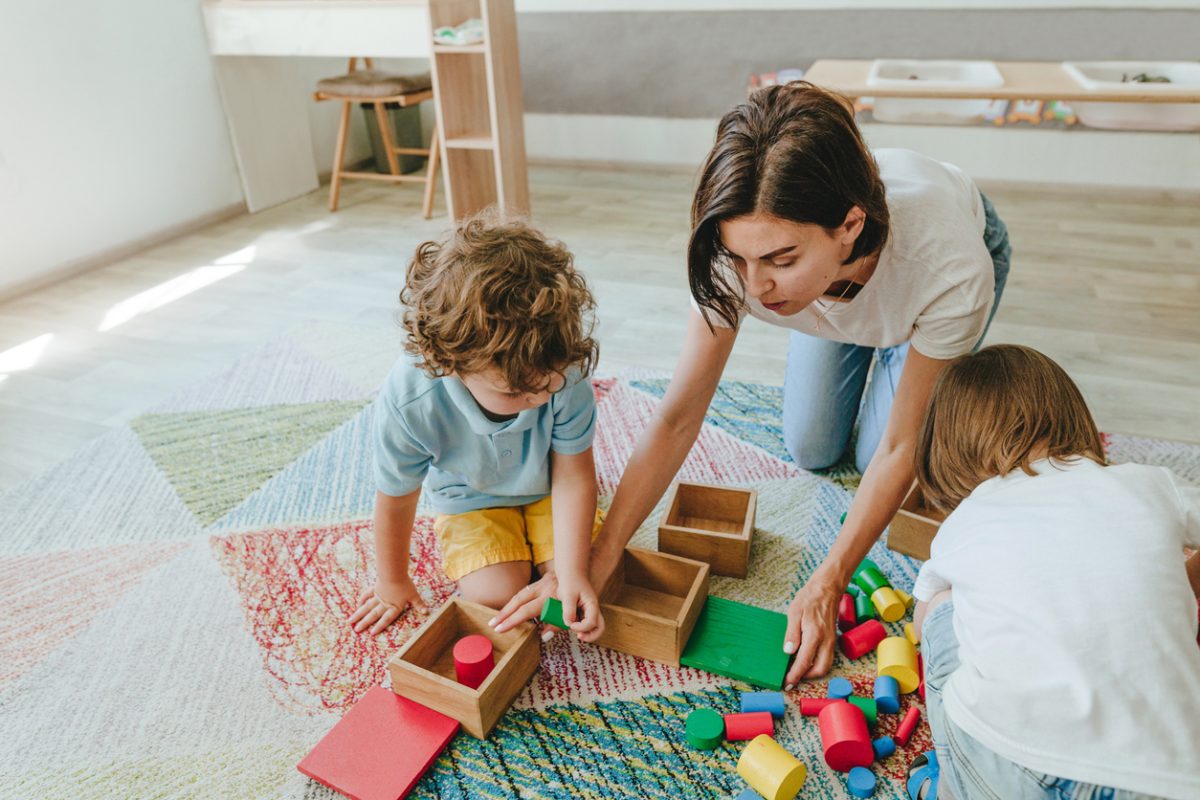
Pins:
x: 380, y: 748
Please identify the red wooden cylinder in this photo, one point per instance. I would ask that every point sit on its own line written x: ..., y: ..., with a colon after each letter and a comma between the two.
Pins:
x: 846, y: 616
x: 811, y: 706
x: 908, y: 725
x: 747, y: 725
x: 473, y: 660
x: 844, y: 737
x: 859, y: 641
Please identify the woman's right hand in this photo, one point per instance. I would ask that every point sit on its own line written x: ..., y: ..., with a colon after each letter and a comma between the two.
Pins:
x: 812, y: 629
x: 381, y: 605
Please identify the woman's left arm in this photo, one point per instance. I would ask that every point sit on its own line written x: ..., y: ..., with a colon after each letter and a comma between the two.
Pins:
x: 812, y: 613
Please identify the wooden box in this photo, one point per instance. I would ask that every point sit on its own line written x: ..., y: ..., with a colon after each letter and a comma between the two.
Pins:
x: 423, y: 670
x: 712, y: 524
x: 912, y: 529
x: 651, y: 603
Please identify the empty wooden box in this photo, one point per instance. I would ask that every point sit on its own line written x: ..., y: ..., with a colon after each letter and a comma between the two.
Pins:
x: 651, y: 603
x: 423, y: 670
x: 914, y: 526
x: 712, y: 524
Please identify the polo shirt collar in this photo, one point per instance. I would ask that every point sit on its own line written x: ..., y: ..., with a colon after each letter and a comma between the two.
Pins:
x: 464, y: 401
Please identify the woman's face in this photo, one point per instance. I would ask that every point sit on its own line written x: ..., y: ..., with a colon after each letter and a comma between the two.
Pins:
x: 787, y: 265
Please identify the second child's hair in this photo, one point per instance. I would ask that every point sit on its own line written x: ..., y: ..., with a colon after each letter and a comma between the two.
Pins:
x: 497, y: 294
x: 995, y: 411
x: 793, y: 152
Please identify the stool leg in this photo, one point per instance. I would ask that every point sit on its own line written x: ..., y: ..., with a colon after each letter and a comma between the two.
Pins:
x: 339, y: 153
x: 435, y: 150
x: 385, y: 130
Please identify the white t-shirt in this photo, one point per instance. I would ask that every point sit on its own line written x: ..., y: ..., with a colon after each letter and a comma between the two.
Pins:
x: 934, y: 283
x: 1076, y: 623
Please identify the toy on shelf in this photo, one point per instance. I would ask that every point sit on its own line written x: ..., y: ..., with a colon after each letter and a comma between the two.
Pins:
x: 875, y: 585
x: 844, y: 737
x: 896, y: 656
x: 424, y: 670
x: 705, y: 729
x: 770, y: 770
x: 651, y: 604
x: 713, y: 524
x: 740, y: 642
x: 380, y: 748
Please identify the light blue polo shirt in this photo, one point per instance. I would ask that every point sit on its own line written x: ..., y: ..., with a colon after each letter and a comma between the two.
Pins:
x: 431, y: 430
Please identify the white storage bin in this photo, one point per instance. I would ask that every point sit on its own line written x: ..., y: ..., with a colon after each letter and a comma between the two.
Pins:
x: 1110, y: 76
x: 933, y: 74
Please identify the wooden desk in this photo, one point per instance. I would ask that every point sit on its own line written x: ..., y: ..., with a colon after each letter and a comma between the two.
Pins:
x: 268, y: 113
x: 1023, y: 80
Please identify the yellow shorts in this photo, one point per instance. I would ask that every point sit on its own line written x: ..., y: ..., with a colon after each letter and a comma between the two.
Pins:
x: 477, y: 539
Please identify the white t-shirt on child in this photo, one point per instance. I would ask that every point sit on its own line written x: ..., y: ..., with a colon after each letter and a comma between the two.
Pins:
x: 934, y: 283
x: 1076, y: 623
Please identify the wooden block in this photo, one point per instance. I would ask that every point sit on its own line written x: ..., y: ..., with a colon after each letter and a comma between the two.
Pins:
x: 552, y: 613
x: 744, y: 727
x: 905, y: 598
x: 811, y: 706
x: 884, y: 746
x: 908, y: 725
x: 868, y: 706
x: 859, y: 641
x: 897, y: 657
x: 713, y: 524
x: 739, y: 641
x: 474, y: 658
x: 847, y: 617
x: 912, y: 529
x: 704, y: 728
x: 773, y: 772
x: 839, y: 689
x: 380, y: 748
x: 861, y: 782
x: 887, y: 694
x: 773, y: 702
x: 910, y: 633
x: 844, y: 737
x: 423, y: 670
x: 651, y: 604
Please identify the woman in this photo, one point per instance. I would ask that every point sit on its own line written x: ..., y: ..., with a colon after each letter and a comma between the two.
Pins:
x: 889, y: 256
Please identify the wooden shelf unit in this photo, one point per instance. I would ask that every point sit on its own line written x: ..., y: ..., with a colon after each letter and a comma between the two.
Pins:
x: 480, y: 110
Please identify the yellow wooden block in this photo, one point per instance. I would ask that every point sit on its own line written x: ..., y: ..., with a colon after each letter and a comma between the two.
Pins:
x: 896, y: 656
x: 910, y: 633
x: 905, y: 598
x: 770, y: 770
x: 888, y: 604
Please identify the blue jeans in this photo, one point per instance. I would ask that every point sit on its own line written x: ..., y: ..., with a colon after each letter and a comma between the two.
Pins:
x: 969, y: 769
x: 823, y: 387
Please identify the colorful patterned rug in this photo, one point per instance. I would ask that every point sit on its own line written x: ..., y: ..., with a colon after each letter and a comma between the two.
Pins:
x: 175, y: 595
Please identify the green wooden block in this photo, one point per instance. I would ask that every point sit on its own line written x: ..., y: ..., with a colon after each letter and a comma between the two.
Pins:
x: 552, y: 613
x: 740, y: 642
x: 869, y: 708
x: 705, y: 729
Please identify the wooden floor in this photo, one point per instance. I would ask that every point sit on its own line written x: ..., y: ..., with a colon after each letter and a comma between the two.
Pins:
x: 1108, y: 285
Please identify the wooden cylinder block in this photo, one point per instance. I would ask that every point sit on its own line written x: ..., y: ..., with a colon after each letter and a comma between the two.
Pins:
x: 908, y: 725
x: 844, y: 737
x: 846, y: 618
x: 773, y: 702
x: 704, y: 729
x: 864, y: 609
x: 897, y: 657
x: 743, y: 727
x: 859, y: 641
x: 871, y: 580
x: 811, y: 706
x: 473, y: 660
x: 770, y: 770
x: 888, y: 604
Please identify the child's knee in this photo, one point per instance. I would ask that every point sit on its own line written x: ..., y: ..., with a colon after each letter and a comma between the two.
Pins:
x: 494, y: 585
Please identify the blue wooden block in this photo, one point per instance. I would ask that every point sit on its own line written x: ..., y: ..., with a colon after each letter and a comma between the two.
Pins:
x: 887, y: 694
x: 749, y: 794
x: 764, y: 701
x: 884, y: 746
x: 861, y: 782
x: 840, y: 688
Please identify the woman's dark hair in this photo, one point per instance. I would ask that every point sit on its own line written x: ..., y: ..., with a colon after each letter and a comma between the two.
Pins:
x: 792, y: 152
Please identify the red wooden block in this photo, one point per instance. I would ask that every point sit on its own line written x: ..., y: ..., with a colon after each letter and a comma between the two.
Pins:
x: 745, y: 726
x: 846, y: 616
x: 811, y: 706
x: 380, y: 748
x: 844, y: 737
x: 473, y: 659
x: 908, y: 725
x: 859, y: 641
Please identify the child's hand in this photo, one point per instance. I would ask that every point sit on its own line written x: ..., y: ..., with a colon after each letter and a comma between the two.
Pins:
x: 577, y: 594
x: 381, y: 605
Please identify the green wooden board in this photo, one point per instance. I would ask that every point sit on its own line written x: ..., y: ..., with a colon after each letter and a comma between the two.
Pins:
x: 552, y: 613
x: 740, y: 642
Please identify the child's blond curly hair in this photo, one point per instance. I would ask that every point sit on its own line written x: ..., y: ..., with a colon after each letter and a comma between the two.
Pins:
x: 497, y: 294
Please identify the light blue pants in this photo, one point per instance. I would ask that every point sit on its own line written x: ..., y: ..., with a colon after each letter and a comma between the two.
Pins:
x: 969, y: 769
x: 823, y: 389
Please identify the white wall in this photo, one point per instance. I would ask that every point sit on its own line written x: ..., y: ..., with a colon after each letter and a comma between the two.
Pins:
x: 110, y: 130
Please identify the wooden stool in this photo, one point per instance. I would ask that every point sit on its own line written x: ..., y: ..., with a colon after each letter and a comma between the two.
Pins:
x: 379, y: 88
